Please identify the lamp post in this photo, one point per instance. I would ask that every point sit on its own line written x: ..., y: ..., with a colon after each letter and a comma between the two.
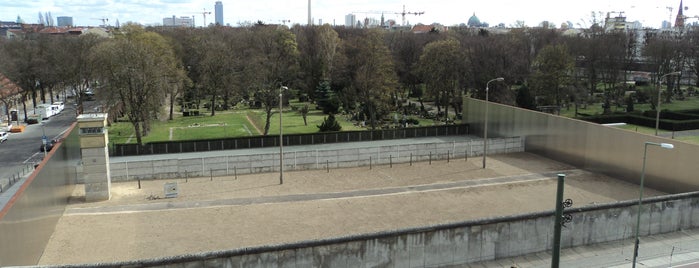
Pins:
x: 281, y: 141
x: 657, y: 107
x: 485, y: 121
x: 44, y: 139
x: 640, y: 196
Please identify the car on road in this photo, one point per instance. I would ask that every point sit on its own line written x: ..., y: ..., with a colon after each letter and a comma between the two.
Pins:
x: 49, y: 146
x: 3, y: 136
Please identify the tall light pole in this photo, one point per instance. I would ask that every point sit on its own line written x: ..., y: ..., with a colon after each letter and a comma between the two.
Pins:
x: 485, y: 121
x: 44, y: 139
x: 281, y: 141
x: 640, y: 195
x: 657, y: 107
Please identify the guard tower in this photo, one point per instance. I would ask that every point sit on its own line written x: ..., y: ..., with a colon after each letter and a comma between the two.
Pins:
x: 95, y: 156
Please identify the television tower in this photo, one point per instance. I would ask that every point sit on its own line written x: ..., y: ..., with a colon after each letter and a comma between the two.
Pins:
x: 310, y: 20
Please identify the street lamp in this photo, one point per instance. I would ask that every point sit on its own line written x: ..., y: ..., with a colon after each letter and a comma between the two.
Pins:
x: 657, y: 108
x: 485, y: 123
x: 640, y: 196
x: 281, y: 141
x: 44, y: 139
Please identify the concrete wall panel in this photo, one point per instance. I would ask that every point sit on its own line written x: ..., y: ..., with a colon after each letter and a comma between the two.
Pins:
x: 607, y: 150
x: 304, y: 160
x: 457, y: 244
x: 33, y: 207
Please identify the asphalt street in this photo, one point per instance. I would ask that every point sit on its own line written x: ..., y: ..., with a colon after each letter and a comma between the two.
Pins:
x: 21, y: 150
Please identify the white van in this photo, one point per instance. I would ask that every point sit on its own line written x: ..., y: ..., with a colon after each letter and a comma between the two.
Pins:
x: 60, y: 105
x: 44, y: 110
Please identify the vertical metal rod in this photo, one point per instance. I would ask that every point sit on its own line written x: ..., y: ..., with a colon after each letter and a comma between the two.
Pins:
x: 640, y: 204
x: 448, y: 156
x: 390, y: 161
x: 327, y: 165
x: 430, y: 158
x: 235, y: 172
x: 139, y: 183
x: 485, y: 127
x: 466, y: 155
x: 211, y: 174
x: 555, y: 259
x: 369, y: 162
x: 281, y: 141
x: 411, y: 159
x: 186, y: 176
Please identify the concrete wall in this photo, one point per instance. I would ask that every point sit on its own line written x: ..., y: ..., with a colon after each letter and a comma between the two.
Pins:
x: 298, y: 158
x: 33, y: 206
x: 597, y: 148
x: 460, y: 243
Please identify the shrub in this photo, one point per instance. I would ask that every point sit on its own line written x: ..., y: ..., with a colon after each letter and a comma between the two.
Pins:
x: 329, y: 124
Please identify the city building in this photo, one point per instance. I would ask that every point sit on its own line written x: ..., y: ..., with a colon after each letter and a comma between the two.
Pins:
x: 219, y: 12
x: 65, y: 21
x: 178, y: 22
x: 350, y: 20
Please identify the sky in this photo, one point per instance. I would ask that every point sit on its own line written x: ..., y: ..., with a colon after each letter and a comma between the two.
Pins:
x: 650, y: 13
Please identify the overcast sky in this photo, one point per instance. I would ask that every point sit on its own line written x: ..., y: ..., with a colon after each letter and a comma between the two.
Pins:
x: 448, y: 12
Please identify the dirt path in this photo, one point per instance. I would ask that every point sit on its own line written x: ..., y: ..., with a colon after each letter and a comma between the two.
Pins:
x: 259, y: 132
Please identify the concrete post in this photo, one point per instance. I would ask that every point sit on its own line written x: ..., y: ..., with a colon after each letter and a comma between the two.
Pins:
x: 95, y: 156
x: 555, y: 259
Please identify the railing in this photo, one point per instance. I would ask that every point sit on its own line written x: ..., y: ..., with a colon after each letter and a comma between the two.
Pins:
x: 19, y: 173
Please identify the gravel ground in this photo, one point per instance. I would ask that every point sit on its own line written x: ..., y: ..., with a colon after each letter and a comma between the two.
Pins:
x: 253, y: 210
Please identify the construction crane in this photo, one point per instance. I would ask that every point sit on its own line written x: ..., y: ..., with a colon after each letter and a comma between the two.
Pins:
x: 409, y: 13
x: 203, y: 14
x: 403, y: 13
x: 104, y: 21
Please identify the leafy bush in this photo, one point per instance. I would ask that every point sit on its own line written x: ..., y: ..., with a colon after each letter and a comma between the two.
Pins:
x: 329, y: 124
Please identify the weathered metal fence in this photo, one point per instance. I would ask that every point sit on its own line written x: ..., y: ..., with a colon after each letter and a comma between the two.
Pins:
x: 171, y: 147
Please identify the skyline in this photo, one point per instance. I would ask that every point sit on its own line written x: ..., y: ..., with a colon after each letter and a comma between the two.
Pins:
x: 91, y: 12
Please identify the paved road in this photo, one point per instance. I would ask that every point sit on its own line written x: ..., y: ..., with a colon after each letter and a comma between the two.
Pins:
x: 21, y: 150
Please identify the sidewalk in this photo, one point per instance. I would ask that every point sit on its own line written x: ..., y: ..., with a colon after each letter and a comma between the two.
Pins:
x: 678, y: 249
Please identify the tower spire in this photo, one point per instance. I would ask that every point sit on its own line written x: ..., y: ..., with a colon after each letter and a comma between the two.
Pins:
x: 679, y: 21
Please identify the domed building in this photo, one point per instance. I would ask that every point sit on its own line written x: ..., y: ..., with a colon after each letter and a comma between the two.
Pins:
x: 473, y: 21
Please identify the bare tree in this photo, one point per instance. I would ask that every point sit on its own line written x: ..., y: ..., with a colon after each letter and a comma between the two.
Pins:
x: 135, y: 69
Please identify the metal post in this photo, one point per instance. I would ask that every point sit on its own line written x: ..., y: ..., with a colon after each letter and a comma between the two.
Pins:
x: 555, y: 259
x: 44, y: 139
x: 411, y: 159
x: 281, y: 141
x: 485, y: 119
x: 430, y: 158
x: 369, y: 162
x: 485, y: 127
x: 640, y: 195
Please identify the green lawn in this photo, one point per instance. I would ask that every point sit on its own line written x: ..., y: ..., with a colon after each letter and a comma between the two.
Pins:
x: 596, y: 109
x: 232, y: 123
x: 651, y: 131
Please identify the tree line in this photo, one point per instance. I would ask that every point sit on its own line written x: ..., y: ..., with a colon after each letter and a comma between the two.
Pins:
x: 365, y: 73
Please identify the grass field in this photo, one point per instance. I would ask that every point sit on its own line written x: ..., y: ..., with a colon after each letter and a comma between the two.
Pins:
x: 242, y: 122
x: 651, y: 131
x: 596, y: 109
x: 224, y: 124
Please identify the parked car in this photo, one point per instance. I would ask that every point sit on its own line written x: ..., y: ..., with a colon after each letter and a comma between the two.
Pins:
x: 3, y: 136
x: 49, y: 146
